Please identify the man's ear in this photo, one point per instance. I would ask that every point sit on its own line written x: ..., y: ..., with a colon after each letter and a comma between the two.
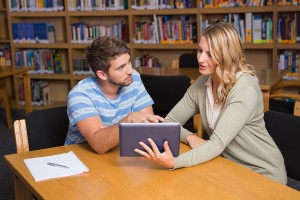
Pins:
x: 101, y: 74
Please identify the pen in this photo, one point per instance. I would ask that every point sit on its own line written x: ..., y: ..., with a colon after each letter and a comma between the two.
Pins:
x: 56, y: 165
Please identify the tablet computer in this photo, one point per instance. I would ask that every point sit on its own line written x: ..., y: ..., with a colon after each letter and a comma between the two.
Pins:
x: 132, y: 133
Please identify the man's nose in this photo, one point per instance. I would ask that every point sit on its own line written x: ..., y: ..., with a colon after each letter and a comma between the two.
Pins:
x: 129, y: 69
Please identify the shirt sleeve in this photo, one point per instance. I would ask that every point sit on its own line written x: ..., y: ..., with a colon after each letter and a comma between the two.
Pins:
x: 228, y: 126
x: 80, y: 106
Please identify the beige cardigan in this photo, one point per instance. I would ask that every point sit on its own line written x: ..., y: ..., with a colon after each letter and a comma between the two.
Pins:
x: 240, y: 134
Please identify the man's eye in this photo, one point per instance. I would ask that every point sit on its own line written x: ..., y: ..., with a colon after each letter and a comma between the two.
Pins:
x: 120, y: 68
x: 200, y: 50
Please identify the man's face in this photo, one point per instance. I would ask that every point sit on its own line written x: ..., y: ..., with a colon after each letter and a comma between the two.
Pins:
x: 120, y: 71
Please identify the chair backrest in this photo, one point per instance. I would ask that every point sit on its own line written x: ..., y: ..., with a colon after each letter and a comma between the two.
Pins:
x: 166, y: 91
x: 285, y: 130
x: 188, y: 60
x: 41, y: 129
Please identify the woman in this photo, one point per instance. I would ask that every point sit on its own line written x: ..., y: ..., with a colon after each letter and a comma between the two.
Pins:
x: 229, y: 99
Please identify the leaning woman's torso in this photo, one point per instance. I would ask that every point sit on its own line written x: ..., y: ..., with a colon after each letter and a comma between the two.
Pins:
x: 252, y: 146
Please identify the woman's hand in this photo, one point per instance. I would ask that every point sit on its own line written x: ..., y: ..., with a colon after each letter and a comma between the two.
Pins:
x: 165, y: 158
x: 194, y: 141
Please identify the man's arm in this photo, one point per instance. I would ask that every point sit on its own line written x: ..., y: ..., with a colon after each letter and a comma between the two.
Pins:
x: 101, y: 138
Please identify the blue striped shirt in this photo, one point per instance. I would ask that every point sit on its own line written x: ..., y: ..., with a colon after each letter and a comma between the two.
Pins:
x: 87, y: 100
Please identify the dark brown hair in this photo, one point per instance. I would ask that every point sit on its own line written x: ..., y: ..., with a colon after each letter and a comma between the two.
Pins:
x: 103, y: 50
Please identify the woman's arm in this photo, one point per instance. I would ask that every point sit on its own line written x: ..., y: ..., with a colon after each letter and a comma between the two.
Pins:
x: 238, y: 109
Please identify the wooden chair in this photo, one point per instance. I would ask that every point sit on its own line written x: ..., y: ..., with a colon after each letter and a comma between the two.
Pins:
x: 278, y: 94
x: 41, y: 129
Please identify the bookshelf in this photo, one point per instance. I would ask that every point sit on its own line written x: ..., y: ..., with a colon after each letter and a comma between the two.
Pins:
x: 4, y: 35
x: 262, y: 56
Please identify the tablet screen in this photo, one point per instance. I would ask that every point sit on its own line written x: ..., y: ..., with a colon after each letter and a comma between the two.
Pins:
x: 132, y: 133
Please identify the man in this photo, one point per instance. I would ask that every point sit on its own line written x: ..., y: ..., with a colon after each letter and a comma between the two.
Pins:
x: 96, y: 105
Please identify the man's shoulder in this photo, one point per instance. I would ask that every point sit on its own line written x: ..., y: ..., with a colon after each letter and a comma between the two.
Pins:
x: 136, y: 74
x: 136, y: 78
x: 83, y: 85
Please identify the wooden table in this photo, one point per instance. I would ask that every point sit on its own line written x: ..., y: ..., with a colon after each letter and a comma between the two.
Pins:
x: 11, y: 71
x: 267, y: 78
x: 113, y: 177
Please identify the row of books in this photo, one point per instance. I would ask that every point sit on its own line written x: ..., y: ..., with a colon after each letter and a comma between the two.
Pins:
x: 253, y: 28
x: 35, y: 5
x: 40, y: 93
x: 33, y: 32
x: 295, y: 76
x: 234, y: 3
x: 81, y: 67
x: 288, y: 2
x: 90, y: 5
x: 5, y: 56
x: 289, y: 28
x: 83, y: 32
x: 166, y: 30
x: 45, y: 61
x: 146, y: 61
x: 289, y: 60
x: 161, y: 4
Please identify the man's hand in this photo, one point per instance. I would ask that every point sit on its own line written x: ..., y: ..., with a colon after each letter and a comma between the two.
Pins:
x: 142, y: 117
x: 194, y: 141
x: 165, y: 158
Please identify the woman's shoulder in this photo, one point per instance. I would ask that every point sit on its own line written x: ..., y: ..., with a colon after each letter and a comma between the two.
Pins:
x: 246, y: 83
x: 246, y: 78
x: 201, y: 80
x: 198, y: 85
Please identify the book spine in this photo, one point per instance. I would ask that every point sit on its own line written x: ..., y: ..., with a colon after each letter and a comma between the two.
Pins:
x: 248, y: 20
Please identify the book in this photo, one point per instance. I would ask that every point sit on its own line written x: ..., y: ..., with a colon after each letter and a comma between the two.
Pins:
x: 248, y: 27
x: 57, y: 60
x: 55, y: 166
x: 51, y: 32
x: 297, y: 18
x: 156, y: 33
x: 242, y: 27
x: 257, y: 29
x: 46, y: 95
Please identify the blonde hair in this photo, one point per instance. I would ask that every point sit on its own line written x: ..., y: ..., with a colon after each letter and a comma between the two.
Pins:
x: 227, y: 51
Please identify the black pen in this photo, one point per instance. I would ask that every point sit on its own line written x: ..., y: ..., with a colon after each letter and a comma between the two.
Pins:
x: 56, y: 165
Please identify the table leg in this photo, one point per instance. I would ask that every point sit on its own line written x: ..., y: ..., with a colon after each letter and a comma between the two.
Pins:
x: 266, y: 99
x: 4, y: 96
x: 27, y: 91
x: 21, y: 191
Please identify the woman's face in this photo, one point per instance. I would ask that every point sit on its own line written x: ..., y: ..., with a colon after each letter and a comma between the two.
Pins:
x: 206, y: 64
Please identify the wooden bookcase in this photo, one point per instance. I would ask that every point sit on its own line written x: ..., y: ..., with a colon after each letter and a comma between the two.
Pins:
x: 261, y: 56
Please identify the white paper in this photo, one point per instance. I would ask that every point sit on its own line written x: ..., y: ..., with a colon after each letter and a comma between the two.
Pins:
x: 40, y: 170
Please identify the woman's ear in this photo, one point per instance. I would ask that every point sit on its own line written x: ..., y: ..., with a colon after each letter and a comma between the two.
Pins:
x: 101, y: 74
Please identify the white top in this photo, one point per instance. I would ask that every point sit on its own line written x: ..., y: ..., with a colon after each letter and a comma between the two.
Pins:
x: 213, y: 109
